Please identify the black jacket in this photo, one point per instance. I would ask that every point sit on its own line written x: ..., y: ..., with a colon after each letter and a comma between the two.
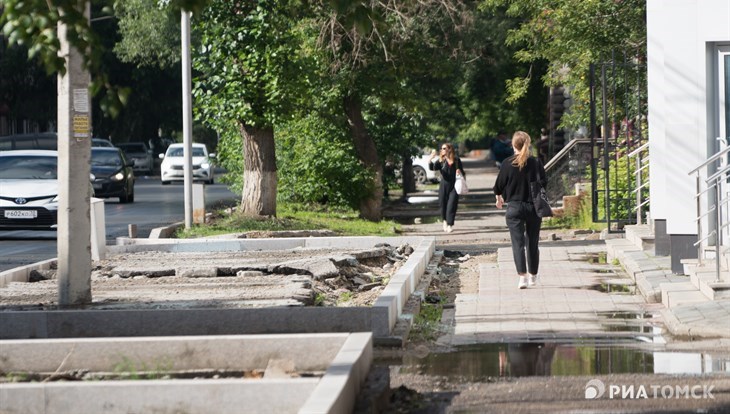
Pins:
x: 514, y: 184
x: 448, y: 172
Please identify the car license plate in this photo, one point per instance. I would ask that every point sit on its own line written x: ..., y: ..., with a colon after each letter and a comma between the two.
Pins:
x: 21, y: 214
x: 97, y: 186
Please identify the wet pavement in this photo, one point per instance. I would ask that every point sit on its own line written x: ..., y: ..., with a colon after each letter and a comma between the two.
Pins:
x: 564, y: 304
x: 538, y: 349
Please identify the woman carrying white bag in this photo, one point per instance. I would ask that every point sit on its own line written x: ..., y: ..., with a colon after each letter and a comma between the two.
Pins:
x: 452, y: 171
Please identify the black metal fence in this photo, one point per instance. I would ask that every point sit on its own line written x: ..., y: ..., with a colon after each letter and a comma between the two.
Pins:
x: 618, y: 126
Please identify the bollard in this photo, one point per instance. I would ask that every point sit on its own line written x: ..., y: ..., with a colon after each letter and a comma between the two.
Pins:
x: 98, y: 229
x: 198, y: 204
x: 132, y: 230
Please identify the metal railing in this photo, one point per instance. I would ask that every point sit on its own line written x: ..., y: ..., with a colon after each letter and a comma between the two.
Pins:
x: 567, y: 168
x: 713, y: 182
x: 642, y: 163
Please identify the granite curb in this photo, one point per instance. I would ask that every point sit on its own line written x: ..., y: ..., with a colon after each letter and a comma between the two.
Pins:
x: 655, y: 281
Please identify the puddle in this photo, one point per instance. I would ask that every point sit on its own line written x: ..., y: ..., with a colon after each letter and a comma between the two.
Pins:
x: 479, y: 363
x: 602, y: 271
x: 597, y: 258
x: 416, y: 220
x: 613, y: 288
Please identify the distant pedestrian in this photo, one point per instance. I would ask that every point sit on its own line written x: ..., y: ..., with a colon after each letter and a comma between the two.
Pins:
x: 501, y: 148
x: 513, y: 187
x: 449, y: 164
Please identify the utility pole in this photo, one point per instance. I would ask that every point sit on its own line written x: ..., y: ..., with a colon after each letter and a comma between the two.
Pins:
x: 74, y: 153
x: 187, y: 118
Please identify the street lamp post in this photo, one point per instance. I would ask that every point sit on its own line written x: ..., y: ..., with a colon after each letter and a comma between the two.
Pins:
x: 187, y: 118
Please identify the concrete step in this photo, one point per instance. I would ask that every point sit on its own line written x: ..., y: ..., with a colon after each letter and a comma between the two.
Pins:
x: 684, y: 293
x: 706, y: 281
x: 689, y: 265
x: 616, y: 248
x: 641, y: 235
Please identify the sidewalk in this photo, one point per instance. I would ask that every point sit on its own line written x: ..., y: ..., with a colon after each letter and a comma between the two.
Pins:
x: 570, y: 300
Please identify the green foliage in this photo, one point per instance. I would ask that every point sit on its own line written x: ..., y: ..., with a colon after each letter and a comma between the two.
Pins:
x: 570, y: 35
x: 319, y: 299
x: 582, y: 220
x: 427, y: 324
x: 622, y: 183
x: 345, y: 222
x: 230, y: 156
x: 250, y: 66
x: 317, y: 164
x: 150, y: 33
x: 345, y: 297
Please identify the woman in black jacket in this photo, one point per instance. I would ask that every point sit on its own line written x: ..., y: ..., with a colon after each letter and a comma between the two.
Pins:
x: 513, y: 187
x: 449, y: 164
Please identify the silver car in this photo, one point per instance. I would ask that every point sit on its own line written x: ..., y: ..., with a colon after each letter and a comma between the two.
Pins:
x: 140, y: 154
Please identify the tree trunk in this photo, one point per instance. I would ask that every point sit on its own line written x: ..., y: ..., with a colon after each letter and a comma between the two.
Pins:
x: 409, y: 182
x: 365, y: 147
x: 259, y: 172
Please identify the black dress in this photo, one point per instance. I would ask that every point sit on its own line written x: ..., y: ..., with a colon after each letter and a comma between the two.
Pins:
x: 448, y: 198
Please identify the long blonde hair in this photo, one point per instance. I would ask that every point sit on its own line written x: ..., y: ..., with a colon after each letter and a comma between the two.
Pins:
x: 521, y: 141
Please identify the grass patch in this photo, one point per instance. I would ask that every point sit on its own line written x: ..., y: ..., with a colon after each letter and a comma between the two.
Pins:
x: 345, y: 297
x: 583, y: 220
x: 427, y: 324
x: 295, y: 217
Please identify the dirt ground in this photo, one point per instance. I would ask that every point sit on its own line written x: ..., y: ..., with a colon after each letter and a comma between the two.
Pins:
x: 160, y: 280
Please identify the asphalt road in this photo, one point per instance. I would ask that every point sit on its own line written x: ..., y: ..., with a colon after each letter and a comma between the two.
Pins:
x: 155, y: 205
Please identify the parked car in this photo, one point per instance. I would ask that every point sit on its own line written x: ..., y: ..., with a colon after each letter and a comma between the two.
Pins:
x: 111, y: 174
x: 41, y: 141
x: 140, y: 154
x: 28, y: 190
x: 171, y: 168
x: 100, y: 142
x: 421, y: 172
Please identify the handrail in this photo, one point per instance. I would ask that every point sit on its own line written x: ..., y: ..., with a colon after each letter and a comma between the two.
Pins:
x: 711, y: 159
x: 717, y: 174
x: 557, y: 157
x: 638, y: 150
x: 641, y: 165
x: 710, y: 210
x: 712, y: 233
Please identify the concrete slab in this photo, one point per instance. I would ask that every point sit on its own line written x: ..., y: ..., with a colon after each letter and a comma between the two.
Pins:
x: 378, y: 319
x: 344, y: 360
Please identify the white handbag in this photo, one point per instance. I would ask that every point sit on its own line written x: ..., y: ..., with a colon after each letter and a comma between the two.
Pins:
x: 460, y: 185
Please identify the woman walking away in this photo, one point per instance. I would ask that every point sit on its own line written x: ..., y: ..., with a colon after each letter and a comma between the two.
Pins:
x: 513, y: 187
x: 449, y: 165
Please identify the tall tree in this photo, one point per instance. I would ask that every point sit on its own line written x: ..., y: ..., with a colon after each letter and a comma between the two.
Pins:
x: 250, y: 73
x: 366, y: 40
x: 569, y: 35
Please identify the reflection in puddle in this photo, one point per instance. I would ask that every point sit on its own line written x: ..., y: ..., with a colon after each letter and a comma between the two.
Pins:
x: 416, y: 220
x: 478, y: 363
x: 597, y: 258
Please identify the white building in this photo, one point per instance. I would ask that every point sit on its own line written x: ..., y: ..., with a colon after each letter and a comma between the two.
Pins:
x: 689, y: 107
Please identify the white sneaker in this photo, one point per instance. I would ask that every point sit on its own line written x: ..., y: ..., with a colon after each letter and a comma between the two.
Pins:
x: 532, y: 280
x: 445, y: 225
x: 523, y: 283
x: 449, y: 229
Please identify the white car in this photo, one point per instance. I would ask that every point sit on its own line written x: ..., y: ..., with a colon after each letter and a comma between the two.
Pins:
x: 28, y: 190
x: 171, y: 168
x: 421, y: 172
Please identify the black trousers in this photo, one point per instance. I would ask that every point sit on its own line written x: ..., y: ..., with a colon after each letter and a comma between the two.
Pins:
x: 448, y: 202
x: 524, y: 230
